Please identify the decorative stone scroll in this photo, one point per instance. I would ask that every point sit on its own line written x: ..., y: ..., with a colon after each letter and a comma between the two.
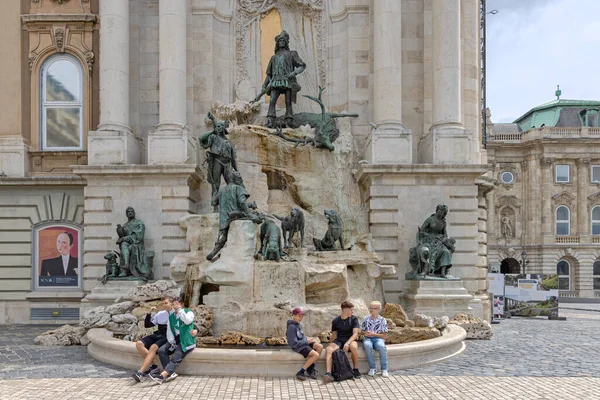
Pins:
x: 507, y: 201
x: 565, y: 198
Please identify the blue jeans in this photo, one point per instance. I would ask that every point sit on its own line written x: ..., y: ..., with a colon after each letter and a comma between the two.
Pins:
x: 370, y: 343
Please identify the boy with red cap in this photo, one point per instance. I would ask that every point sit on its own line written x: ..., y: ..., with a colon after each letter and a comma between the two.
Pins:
x: 300, y: 344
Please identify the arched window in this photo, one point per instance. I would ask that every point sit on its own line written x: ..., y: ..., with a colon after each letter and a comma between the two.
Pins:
x: 563, y: 221
x: 61, y: 103
x: 563, y: 270
x: 596, y: 274
x: 596, y: 220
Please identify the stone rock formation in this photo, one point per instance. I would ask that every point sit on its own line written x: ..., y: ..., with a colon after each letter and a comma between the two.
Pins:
x: 154, y: 291
x: 96, y: 317
x: 66, y: 335
x: 411, y: 334
x: 396, y: 314
x: 120, y: 308
x: 276, y: 341
x: 476, y: 328
x: 255, y: 297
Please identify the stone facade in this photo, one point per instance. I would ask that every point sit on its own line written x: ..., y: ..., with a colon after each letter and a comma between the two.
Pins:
x: 528, y: 166
x: 150, y: 73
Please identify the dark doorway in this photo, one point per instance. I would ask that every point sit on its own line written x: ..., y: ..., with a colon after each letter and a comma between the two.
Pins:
x: 510, y: 266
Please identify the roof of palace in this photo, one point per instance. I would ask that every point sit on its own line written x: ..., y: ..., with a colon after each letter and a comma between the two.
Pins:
x: 560, y: 113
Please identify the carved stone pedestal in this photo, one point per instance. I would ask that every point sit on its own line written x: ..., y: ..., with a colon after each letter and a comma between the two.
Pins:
x: 437, y: 298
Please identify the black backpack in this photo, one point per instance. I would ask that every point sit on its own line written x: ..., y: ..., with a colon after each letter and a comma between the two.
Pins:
x: 341, y: 366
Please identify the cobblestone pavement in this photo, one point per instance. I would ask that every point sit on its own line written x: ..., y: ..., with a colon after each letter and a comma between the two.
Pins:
x: 526, y: 359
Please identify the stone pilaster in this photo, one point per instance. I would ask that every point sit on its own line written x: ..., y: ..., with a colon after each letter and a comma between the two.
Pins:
x: 13, y: 156
x: 171, y: 142
x: 114, y: 142
x: 447, y: 142
x: 389, y: 142
x: 583, y: 220
x: 548, y: 214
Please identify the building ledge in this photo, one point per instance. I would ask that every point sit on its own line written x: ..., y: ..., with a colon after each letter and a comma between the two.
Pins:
x: 37, y: 18
x: 66, y: 180
x: 55, y: 295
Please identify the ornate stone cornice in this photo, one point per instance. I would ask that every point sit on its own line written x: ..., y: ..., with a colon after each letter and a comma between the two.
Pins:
x: 60, y: 1
x: 507, y: 201
x: 594, y: 198
x: 29, y: 19
x: 565, y: 198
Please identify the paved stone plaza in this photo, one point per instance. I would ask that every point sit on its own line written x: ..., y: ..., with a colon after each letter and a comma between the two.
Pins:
x: 526, y: 359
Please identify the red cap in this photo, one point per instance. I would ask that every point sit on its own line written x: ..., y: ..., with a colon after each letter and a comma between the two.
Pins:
x: 297, y: 311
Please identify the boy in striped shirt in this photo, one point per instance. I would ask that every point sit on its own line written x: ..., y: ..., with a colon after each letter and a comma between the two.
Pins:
x: 374, y: 328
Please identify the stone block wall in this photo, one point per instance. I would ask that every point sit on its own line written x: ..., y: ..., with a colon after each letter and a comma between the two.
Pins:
x: 160, y: 196
x: 397, y: 210
x: 21, y: 208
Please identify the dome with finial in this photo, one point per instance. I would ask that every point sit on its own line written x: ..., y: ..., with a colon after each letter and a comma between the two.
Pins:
x: 558, y: 92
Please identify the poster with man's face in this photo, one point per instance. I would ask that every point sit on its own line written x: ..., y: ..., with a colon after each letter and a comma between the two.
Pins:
x: 58, y: 258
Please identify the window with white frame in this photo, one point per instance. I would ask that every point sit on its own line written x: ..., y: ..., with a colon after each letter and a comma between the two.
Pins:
x: 563, y: 270
x: 562, y: 173
x: 596, y: 173
x: 596, y: 220
x: 563, y: 221
x: 507, y: 177
x: 596, y: 275
x: 61, y: 103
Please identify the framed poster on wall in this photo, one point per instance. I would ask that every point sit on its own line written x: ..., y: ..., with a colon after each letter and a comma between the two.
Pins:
x: 57, y: 257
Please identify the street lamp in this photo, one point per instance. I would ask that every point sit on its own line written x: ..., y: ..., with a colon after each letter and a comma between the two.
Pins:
x: 524, y: 262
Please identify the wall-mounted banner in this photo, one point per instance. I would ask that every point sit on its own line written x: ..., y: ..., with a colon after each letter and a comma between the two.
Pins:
x: 57, y: 257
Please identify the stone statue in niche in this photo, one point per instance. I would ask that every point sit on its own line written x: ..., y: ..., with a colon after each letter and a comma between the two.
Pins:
x: 292, y: 224
x: 506, y: 227
x: 135, y: 263
x: 232, y: 205
x: 221, y: 156
x: 281, y: 73
x: 431, y: 258
x: 333, y: 234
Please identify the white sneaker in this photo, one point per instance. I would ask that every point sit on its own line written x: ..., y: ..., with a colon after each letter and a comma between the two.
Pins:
x: 372, y: 372
x: 385, y: 374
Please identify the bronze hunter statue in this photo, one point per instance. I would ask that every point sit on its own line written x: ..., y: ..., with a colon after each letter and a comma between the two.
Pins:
x: 232, y: 204
x: 281, y: 73
x: 220, y: 155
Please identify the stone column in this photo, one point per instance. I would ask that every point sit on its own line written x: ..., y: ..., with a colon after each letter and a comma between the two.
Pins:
x: 446, y: 65
x: 389, y: 142
x: 583, y: 221
x: 113, y: 142
x: 547, y: 211
x: 168, y: 144
x: 447, y: 142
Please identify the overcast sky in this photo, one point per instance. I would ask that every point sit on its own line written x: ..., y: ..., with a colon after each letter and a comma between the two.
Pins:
x: 534, y: 45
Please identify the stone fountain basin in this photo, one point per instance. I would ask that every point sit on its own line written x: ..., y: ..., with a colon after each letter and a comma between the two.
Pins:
x: 275, y: 362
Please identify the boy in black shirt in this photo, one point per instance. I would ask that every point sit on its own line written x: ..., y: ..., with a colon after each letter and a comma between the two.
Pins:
x: 344, y: 333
